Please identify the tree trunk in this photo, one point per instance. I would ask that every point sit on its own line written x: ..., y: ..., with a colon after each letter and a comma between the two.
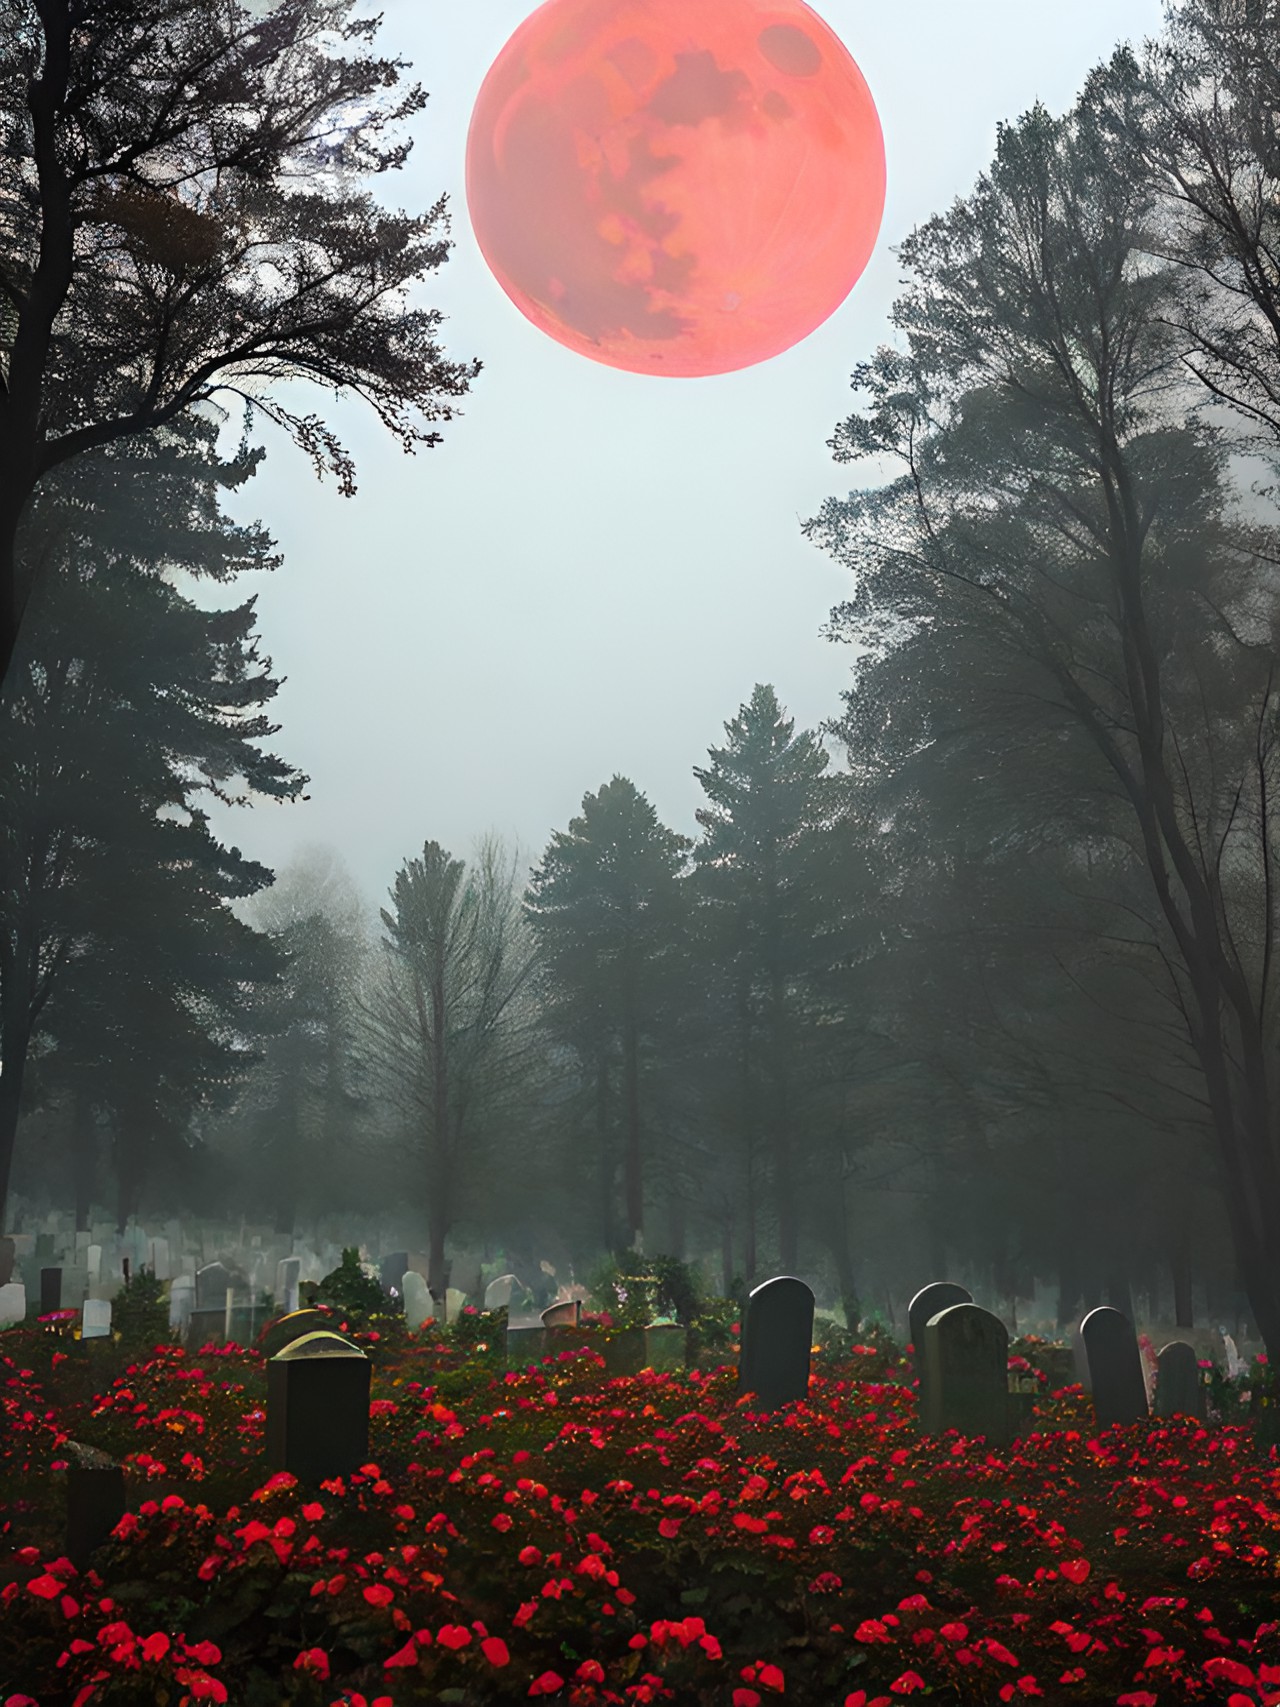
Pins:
x: 633, y: 1169
x: 84, y: 1150
x: 441, y: 1211
x: 604, y: 1154
x: 1180, y: 1263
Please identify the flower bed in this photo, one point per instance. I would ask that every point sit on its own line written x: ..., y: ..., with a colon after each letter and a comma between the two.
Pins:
x: 557, y: 1534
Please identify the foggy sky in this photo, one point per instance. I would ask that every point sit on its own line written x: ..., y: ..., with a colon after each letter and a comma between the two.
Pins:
x: 595, y: 568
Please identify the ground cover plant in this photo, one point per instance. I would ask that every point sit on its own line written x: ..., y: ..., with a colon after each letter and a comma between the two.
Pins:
x: 551, y: 1532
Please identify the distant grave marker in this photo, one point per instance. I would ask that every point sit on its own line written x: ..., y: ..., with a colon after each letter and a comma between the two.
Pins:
x: 1179, y: 1389
x: 1115, y: 1368
x: 318, y: 1408
x: 13, y: 1303
x: 288, y: 1278
x: 418, y: 1307
x: 182, y: 1292
x: 498, y: 1293
x: 567, y: 1314
x: 95, y: 1319
x: 777, y: 1338
x: 967, y: 1355
x: 213, y: 1282
x: 392, y: 1270
x: 50, y: 1290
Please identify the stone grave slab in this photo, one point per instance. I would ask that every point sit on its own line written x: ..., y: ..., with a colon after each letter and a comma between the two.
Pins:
x: 1115, y: 1368
x: 418, y: 1307
x: 95, y: 1500
x: 939, y: 1295
x: 1180, y: 1390
x: 95, y: 1319
x: 13, y: 1303
x: 182, y: 1293
x: 777, y: 1339
x: 318, y: 1408
x: 967, y: 1354
x: 50, y: 1290
x: 213, y: 1281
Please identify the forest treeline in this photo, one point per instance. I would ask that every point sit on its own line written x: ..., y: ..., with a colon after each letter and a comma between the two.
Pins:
x: 995, y: 993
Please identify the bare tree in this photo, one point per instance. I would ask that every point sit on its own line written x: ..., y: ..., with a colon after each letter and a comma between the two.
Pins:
x: 450, y: 1022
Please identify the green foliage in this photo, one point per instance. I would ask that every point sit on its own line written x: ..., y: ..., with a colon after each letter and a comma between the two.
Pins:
x: 140, y: 1311
x: 349, y: 1289
x: 636, y: 1289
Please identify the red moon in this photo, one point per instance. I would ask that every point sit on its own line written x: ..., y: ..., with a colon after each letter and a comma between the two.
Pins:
x: 676, y: 187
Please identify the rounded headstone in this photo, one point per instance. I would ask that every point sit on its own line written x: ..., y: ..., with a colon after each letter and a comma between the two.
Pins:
x: 930, y: 1301
x: 1179, y: 1389
x: 967, y: 1353
x: 285, y: 1330
x: 1115, y: 1368
x: 777, y: 1338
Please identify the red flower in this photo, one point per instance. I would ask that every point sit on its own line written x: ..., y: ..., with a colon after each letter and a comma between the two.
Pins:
x: 590, y: 1671
x: 745, y: 1698
x: 45, y: 1586
x: 378, y: 1594
x: 454, y: 1636
x: 314, y: 1661
x: 155, y: 1647
x: 494, y: 1650
x: 313, y: 1511
x: 1075, y: 1570
x: 547, y: 1684
x: 907, y: 1684
x: 406, y: 1656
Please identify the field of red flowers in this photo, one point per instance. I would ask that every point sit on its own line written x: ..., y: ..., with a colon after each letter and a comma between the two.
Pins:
x: 554, y: 1533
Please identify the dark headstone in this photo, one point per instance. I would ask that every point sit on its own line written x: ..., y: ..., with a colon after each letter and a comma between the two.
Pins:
x: 967, y: 1355
x: 777, y: 1337
x: 1179, y: 1389
x: 212, y: 1284
x: 1115, y: 1368
x: 392, y: 1269
x: 930, y: 1301
x: 318, y: 1408
x: 207, y: 1327
x: 50, y: 1290
x: 8, y: 1256
x: 95, y: 1500
x: 565, y: 1315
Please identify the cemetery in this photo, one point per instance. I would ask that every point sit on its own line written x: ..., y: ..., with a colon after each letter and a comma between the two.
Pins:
x: 249, y: 1482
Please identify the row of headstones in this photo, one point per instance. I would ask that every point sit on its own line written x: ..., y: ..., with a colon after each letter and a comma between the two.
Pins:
x: 962, y: 1361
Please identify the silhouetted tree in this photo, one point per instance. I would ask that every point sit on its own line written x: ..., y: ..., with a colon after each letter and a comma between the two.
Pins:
x: 609, y: 913
x: 177, y: 220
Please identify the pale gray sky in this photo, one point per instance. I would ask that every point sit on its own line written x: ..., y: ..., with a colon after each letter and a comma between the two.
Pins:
x: 595, y: 568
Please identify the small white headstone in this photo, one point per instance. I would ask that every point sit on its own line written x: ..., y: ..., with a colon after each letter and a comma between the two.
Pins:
x: 417, y: 1301
x: 1235, y: 1363
x: 95, y: 1319
x: 497, y: 1294
x: 13, y: 1303
x: 454, y: 1300
x: 288, y: 1270
x: 159, y: 1259
x: 182, y: 1292
x: 93, y: 1262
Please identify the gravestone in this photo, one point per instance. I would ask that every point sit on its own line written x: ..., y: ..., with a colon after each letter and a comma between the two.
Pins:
x: 95, y: 1500
x: 318, y: 1408
x: 967, y: 1355
x: 182, y: 1293
x: 159, y: 1258
x: 93, y: 1261
x: 392, y: 1270
x: 497, y: 1294
x: 13, y: 1303
x: 777, y: 1337
x: 566, y: 1314
x: 418, y: 1307
x: 95, y: 1319
x: 288, y: 1277
x: 206, y: 1327
x: 243, y: 1316
x: 8, y: 1256
x: 213, y: 1282
x: 50, y: 1290
x: 1179, y: 1390
x: 1115, y: 1368
x: 455, y: 1302
x: 939, y: 1295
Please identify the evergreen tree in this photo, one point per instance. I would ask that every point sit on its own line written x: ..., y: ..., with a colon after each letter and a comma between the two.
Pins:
x: 610, y: 918
x: 764, y: 914
x: 128, y: 704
